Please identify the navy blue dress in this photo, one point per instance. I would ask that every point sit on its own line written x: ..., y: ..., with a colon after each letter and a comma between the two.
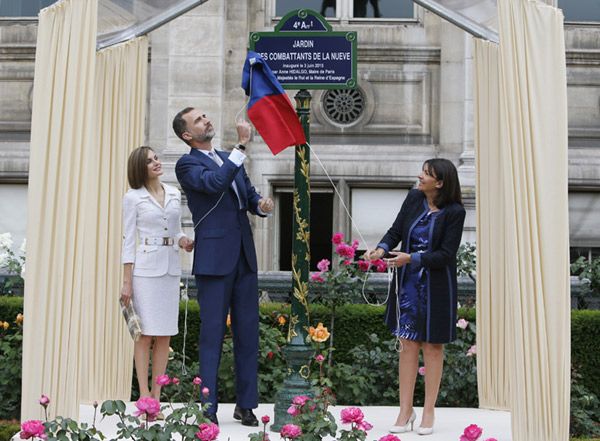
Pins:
x: 413, y: 295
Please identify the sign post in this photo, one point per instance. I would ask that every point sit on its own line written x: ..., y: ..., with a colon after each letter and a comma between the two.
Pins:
x: 304, y: 53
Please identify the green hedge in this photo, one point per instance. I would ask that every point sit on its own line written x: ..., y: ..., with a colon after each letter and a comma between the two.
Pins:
x: 8, y: 429
x: 354, y: 322
x: 585, y: 347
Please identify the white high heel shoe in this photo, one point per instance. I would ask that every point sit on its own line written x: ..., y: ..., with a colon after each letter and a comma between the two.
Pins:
x: 425, y: 430
x: 403, y: 429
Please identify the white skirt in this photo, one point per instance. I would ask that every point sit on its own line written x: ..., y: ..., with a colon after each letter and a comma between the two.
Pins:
x: 156, y: 300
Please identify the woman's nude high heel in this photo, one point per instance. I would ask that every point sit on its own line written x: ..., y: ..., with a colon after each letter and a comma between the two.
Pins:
x: 405, y: 428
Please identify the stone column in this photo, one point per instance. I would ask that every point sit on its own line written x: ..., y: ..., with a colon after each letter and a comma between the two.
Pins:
x: 456, y: 113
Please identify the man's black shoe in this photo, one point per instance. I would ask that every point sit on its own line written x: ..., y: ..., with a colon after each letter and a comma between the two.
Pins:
x: 212, y: 418
x: 246, y: 416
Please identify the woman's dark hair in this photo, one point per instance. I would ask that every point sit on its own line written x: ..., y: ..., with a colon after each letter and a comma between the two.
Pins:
x: 443, y: 170
x: 137, y: 167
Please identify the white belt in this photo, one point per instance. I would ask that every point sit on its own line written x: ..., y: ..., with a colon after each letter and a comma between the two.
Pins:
x: 159, y: 241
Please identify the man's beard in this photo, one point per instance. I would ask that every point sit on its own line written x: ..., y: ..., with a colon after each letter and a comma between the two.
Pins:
x: 210, y: 134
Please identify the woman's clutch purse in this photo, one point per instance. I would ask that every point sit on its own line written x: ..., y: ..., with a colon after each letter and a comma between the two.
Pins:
x: 134, y: 324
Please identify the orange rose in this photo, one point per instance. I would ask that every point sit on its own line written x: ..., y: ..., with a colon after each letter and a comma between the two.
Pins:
x: 228, y: 322
x: 281, y: 320
x: 319, y: 334
x: 19, y: 319
x: 4, y: 325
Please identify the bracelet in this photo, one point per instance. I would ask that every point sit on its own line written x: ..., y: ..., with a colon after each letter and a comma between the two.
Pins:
x: 241, y: 147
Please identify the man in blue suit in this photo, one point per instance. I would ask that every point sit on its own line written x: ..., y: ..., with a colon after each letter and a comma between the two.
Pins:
x: 219, y: 196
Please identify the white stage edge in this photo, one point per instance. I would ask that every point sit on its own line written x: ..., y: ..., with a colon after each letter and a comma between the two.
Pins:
x: 449, y: 424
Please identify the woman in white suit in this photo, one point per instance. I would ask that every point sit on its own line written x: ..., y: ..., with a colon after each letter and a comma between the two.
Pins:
x: 152, y: 268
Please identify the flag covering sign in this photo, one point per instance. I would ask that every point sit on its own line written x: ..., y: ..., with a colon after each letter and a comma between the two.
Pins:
x: 269, y: 108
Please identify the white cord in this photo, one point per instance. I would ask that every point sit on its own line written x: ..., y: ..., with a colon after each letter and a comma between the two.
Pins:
x: 208, y: 212
x: 358, y: 231
x: 237, y: 115
x: 184, y: 296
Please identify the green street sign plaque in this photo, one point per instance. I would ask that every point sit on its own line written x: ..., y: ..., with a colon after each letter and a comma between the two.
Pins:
x: 304, y: 53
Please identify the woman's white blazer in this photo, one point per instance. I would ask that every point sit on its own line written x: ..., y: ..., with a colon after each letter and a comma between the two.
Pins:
x: 146, y: 222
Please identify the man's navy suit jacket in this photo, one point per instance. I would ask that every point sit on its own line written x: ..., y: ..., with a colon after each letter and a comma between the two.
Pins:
x: 225, y: 232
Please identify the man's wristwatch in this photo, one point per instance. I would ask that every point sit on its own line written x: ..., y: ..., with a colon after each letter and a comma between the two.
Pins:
x: 241, y: 147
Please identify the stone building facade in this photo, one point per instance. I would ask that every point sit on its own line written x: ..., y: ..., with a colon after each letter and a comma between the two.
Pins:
x: 414, y: 102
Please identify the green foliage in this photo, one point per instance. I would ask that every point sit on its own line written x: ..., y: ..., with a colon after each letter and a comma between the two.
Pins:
x: 360, y: 382
x: 8, y: 430
x: 585, y: 409
x: 466, y: 260
x: 588, y: 272
x: 12, y: 262
x: 313, y: 415
x: 459, y: 382
x: 585, y: 349
x: 66, y: 428
x: 11, y: 354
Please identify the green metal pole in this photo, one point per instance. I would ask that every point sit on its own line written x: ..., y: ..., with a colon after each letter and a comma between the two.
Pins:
x: 297, y: 352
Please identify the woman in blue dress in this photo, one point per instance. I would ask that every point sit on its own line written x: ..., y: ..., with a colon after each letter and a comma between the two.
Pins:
x: 421, y: 311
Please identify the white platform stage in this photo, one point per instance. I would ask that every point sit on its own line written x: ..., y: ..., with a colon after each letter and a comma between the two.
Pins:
x: 449, y: 424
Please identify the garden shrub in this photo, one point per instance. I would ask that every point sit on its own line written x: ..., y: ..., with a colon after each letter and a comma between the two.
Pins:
x: 585, y: 348
x: 8, y: 430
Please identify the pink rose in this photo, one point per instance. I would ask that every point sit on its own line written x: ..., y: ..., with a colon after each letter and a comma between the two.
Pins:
x: 300, y: 400
x: 363, y: 265
x: 205, y: 391
x: 265, y: 419
x: 44, y: 400
x: 32, y: 429
x: 422, y: 371
x: 319, y: 359
x: 197, y: 381
x: 389, y: 438
x: 148, y: 406
x: 293, y: 410
x: 345, y: 251
x: 316, y: 277
x: 462, y: 324
x: 380, y: 265
x: 352, y: 415
x: 175, y: 380
x: 290, y: 431
x: 364, y: 426
x: 471, y: 433
x: 472, y: 351
x: 207, y: 432
x: 337, y: 238
x: 323, y: 265
x: 355, y: 244
x: 491, y: 439
x: 347, y: 262
x: 163, y: 380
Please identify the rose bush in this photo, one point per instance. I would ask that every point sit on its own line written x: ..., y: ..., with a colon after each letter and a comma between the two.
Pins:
x: 343, y: 284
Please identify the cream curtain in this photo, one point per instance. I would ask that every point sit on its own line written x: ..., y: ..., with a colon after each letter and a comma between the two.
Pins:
x: 62, y: 135
x: 88, y: 113
x: 527, y: 306
x: 492, y: 340
x: 121, y: 79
